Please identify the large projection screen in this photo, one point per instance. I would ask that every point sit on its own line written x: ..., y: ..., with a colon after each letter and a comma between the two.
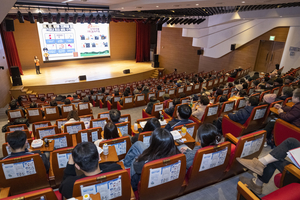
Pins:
x: 73, y: 41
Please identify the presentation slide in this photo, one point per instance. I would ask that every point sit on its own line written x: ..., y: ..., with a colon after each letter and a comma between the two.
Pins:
x: 73, y: 41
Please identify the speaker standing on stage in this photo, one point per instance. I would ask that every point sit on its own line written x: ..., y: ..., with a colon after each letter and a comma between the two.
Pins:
x: 37, y: 65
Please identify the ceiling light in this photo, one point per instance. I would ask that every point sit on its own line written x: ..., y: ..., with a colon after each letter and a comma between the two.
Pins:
x: 157, y: 6
x: 20, y: 17
x: 197, y: 4
x: 31, y: 17
x: 122, y: 8
x: 66, y: 18
x: 75, y: 18
x: 243, y: 1
x: 40, y: 18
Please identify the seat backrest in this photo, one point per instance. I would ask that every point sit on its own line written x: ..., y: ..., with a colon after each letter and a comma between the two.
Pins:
x: 105, y: 183
x: 128, y: 102
x: 263, y: 94
x: 289, y: 130
x: 84, y: 108
x: 15, y: 114
x: 143, y: 121
x: 125, y: 118
x: 185, y: 100
x: 59, y: 159
x: 122, y: 145
x: 250, y: 90
x: 179, y: 90
x: 37, y: 125
x: 149, y: 95
x: 140, y: 100
x: 100, y: 122
x: 27, y: 169
x: 86, y: 118
x: 287, y: 100
x: 89, y: 135
x: 124, y: 127
x: 60, y: 140
x: 161, y: 175
x: 275, y: 91
x: 240, y: 103
x: 190, y: 128
x: 227, y: 107
x: 51, y: 113
x: 160, y: 94
x: 65, y: 109
x: 257, y: 116
x: 156, y: 108
x: 211, y: 113
x: 34, y: 115
x: 208, y: 166
x: 18, y: 127
x: 47, y: 193
x: 145, y: 137
x: 73, y: 128
x: 103, y: 115
x: 196, y: 88
x: 59, y: 123
x: 45, y: 131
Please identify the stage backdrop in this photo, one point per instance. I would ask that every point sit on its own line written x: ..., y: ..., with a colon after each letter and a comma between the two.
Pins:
x: 122, y: 41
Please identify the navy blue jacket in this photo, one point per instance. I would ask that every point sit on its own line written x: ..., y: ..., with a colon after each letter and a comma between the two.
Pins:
x: 241, y: 115
x: 177, y: 122
x: 170, y: 111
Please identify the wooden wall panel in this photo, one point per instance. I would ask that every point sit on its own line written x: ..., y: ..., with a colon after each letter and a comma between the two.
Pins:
x: 122, y: 41
x: 244, y: 56
x: 177, y: 51
x: 4, y: 78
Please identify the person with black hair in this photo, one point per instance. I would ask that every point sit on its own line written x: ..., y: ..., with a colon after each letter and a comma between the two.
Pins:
x: 222, y: 99
x: 198, y: 108
x: 278, y: 82
x: 161, y: 145
x: 87, y: 100
x: 183, y: 113
x: 13, y: 105
x: 18, y: 144
x: 149, y: 107
x: 207, y: 136
x: 151, y: 125
x: 233, y: 74
x: 125, y: 94
x: 34, y: 105
x: 72, y: 117
x: 67, y: 102
x: 245, y: 86
x: 269, y: 84
x: 288, y: 79
x: 236, y: 82
x: 286, y: 93
x: 85, y: 158
x: 114, y: 116
x: 145, y: 91
x: 218, y: 92
x: 170, y: 110
x: 255, y: 76
x: 110, y: 131
x: 158, y: 88
x: 75, y: 97
x: 54, y: 103
x: 230, y: 85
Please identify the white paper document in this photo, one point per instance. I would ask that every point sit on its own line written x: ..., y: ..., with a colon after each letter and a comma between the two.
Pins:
x: 50, y: 111
x: 146, y: 140
x: 180, y: 90
x: 242, y: 103
x: 191, y: 130
x: 170, y: 104
x: 171, y: 92
x: 67, y: 108
x: 73, y: 129
x: 15, y: 114
x: 251, y: 147
x: 162, y: 123
x: 60, y: 123
x: 101, y: 124
x: 84, y: 137
x: 63, y: 159
x: 120, y: 147
x: 46, y: 132
x: 140, y: 98
x: 128, y: 100
x: 212, y: 111
x: 33, y: 112
x: 108, y: 190
x: 106, y: 115
x: 19, y: 169
x: 163, y: 175
x: 176, y: 134
x: 159, y: 107
x: 16, y: 128
x: 160, y: 94
x: 143, y: 123
x: 260, y: 113
x: 83, y: 106
x: 123, y: 119
x: 60, y: 142
x: 213, y: 159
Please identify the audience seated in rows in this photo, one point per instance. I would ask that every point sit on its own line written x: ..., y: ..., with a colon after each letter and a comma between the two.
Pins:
x: 110, y: 132
x: 151, y: 125
x: 170, y: 110
x: 149, y: 107
x: 72, y: 117
x: 114, y: 116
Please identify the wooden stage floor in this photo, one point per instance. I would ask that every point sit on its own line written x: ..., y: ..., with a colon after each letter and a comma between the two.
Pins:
x: 65, y: 79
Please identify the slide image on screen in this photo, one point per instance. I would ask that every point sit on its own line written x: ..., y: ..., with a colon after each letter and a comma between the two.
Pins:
x: 73, y: 41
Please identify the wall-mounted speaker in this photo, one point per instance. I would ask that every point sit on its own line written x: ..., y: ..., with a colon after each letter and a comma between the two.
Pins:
x: 17, y: 81
x: 155, y: 64
x: 232, y: 47
x: 126, y: 71
x: 15, y: 71
x: 8, y: 25
x: 200, y: 52
x: 158, y: 27
x: 155, y: 59
x: 82, y: 78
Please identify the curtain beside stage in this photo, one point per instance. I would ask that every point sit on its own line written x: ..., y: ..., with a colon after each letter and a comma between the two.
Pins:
x: 11, y: 51
x: 142, y: 42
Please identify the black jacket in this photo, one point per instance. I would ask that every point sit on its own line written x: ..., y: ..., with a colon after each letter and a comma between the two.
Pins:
x: 241, y: 115
x: 135, y: 179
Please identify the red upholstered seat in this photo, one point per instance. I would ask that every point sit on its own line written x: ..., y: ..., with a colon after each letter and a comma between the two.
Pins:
x: 277, y: 178
x: 288, y: 129
x: 289, y: 192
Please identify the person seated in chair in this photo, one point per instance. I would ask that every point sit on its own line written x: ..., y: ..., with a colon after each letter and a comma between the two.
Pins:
x: 149, y: 107
x: 114, y: 116
x: 18, y: 145
x: 183, y: 113
x: 34, y: 105
x: 110, y: 132
x: 286, y: 93
x: 85, y: 158
x: 86, y: 100
x: 151, y: 125
x: 54, y: 103
x: 265, y: 166
x: 170, y: 110
x: 199, y: 108
x: 125, y: 94
x: 166, y: 98
x: 72, y: 117
x: 13, y: 105
x: 278, y: 82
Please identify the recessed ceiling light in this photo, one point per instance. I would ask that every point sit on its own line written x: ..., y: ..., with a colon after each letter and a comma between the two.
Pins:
x: 122, y: 8
x: 243, y: 1
x: 280, y: 16
x: 197, y: 4
x: 157, y: 6
x: 67, y: 1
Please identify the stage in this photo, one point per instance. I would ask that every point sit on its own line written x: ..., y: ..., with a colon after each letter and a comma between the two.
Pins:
x: 61, y: 80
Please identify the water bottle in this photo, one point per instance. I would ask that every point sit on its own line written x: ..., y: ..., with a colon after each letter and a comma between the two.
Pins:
x: 136, y: 127
x: 183, y: 130
x: 86, y: 197
x: 105, y: 149
x: 62, y: 128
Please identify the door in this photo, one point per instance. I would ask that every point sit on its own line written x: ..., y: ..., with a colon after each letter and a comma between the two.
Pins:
x: 269, y: 54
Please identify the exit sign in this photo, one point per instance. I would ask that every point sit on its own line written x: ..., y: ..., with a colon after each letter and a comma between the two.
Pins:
x: 272, y: 38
